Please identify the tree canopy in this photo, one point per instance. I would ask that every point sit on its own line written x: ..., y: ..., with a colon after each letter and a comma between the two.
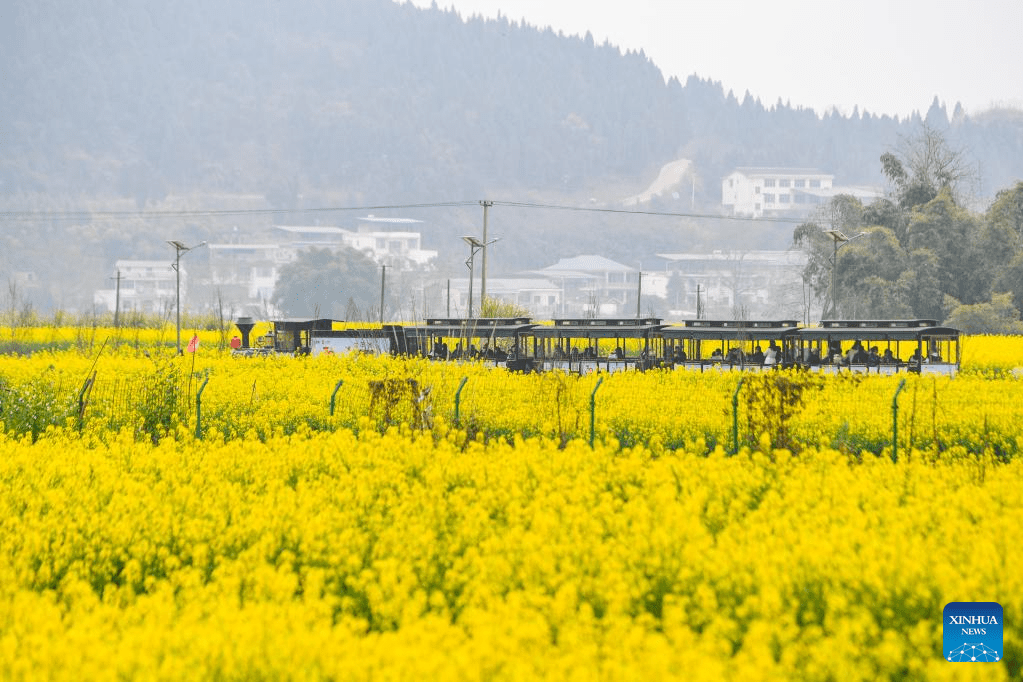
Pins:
x: 342, y: 284
x: 918, y: 253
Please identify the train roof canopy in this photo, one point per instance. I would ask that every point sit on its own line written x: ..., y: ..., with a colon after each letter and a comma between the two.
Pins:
x: 477, y: 327
x: 288, y: 324
x: 877, y: 330
x: 599, y: 328
x: 752, y: 330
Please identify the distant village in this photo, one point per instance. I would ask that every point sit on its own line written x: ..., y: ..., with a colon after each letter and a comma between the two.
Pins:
x: 671, y: 285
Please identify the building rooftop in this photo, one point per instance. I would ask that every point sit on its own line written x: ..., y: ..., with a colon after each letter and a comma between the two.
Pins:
x: 310, y: 229
x: 586, y: 264
x: 400, y: 221
x: 753, y: 171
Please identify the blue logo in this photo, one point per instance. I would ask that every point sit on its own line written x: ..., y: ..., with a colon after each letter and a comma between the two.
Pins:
x: 972, y: 632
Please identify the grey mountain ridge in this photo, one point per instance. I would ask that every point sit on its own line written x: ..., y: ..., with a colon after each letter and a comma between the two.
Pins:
x: 236, y: 105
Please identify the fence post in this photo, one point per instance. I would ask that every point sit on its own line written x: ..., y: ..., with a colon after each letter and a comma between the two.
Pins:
x: 198, y: 408
x: 81, y: 399
x: 333, y: 395
x: 895, y: 421
x: 458, y: 399
x: 735, y: 417
x: 593, y: 411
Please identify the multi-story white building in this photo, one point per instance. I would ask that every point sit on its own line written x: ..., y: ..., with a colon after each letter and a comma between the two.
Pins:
x: 762, y: 283
x: 247, y: 273
x: 541, y: 297
x: 394, y: 248
x: 148, y: 286
x: 594, y: 285
x: 757, y: 192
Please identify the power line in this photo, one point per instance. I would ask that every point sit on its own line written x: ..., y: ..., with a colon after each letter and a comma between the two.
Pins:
x: 15, y: 216
x: 34, y: 216
x: 670, y: 214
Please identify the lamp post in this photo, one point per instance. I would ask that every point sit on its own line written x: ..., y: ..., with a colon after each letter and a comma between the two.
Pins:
x: 179, y: 249
x: 474, y: 246
x: 839, y: 240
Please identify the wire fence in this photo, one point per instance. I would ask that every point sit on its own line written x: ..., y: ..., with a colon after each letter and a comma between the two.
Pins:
x: 731, y: 409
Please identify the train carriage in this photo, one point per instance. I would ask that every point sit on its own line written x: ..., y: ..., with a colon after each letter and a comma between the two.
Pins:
x: 730, y: 344
x: 587, y: 345
x: 492, y: 340
x: 880, y: 346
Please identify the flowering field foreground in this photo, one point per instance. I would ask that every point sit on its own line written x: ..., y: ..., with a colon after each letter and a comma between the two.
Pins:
x: 664, y: 408
x: 420, y: 555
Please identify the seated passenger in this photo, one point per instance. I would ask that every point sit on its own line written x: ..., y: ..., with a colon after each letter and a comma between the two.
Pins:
x: 815, y: 357
x: 873, y: 358
x: 888, y: 358
x: 861, y: 353
x: 716, y: 356
x: 758, y: 356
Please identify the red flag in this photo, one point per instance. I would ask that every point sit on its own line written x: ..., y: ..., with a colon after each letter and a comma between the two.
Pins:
x: 193, y: 344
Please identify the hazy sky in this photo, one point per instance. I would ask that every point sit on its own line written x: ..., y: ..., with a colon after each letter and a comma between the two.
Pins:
x: 886, y: 56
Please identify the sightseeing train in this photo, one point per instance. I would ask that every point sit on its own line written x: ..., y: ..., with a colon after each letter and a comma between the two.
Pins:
x: 587, y: 345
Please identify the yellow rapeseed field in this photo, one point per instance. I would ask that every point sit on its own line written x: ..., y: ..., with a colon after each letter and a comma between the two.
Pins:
x: 415, y: 555
x: 452, y: 521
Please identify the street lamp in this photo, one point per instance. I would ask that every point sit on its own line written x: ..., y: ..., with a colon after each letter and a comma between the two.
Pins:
x: 839, y: 241
x: 474, y: 246
x: 179, y: 249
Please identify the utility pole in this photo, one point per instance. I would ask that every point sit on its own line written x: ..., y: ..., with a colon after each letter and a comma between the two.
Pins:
x: 699, y: 304
x: 483, y: 275
x: 449, y: 299
x: 639, y: 295
x: 117, y: 302
x: 383, y: 275
x: 839, y: 240
x: 179, y: 249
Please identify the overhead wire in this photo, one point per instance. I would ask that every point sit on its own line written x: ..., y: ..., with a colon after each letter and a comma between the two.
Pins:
x: 34, y: 216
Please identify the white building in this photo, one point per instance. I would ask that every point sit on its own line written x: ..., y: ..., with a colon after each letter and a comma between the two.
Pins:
x: 757, y: 192
x: 763, y: 283
x: 541, y: 297
x: 594, y: 285
x: 247, y: 273
x: 394, y: 248
x: 148, y: 286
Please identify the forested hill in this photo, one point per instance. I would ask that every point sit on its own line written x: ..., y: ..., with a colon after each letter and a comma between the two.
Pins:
x: 370, y: 100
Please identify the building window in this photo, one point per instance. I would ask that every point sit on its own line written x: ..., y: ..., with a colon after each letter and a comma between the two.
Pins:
x: 769, y: 182
x: 731, y: 183
x: 784, y: 183
x: 756, y: 207
x: 768, y: 198
x: 800, y: 183
x: 783, y: 198
x: 815, y: 183
x: 756, y: 190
